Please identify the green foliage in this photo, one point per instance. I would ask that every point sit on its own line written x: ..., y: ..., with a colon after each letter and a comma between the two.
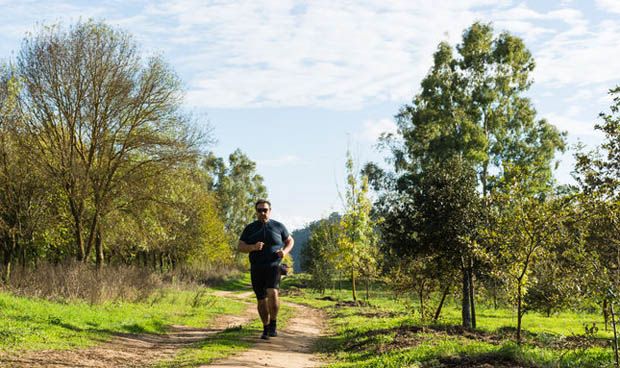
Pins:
x: 356, y: 251
x: 98, y: 161
x: 524, y: 229
x: 237, y: 187
x: 319, y: 251
x: 472, y: 105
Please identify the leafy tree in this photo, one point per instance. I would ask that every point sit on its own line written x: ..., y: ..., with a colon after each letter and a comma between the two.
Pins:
x: 598, y: 176
x: 525, y: 229
x: 22, y: 191
x: 472, y: 106
x: 356, y: 251
x: 318, y: 254
x: 104, y: 120
x: 237, y: 187
x: 450, y: 212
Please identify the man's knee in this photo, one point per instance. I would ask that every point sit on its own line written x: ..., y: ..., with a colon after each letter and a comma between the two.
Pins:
x: 272, y: 293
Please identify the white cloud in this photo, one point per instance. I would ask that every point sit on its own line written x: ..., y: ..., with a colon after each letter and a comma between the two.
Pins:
x: 372, y: 129
x: 574, y: 126
x: 279, y: 161
x: 609, y: 5
x: 342, y: 55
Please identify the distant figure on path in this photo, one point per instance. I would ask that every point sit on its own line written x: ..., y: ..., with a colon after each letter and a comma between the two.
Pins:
x: 267, y: 241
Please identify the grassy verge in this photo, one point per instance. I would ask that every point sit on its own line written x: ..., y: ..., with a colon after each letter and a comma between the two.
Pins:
x: 389, y: 332
x: 35, y: 324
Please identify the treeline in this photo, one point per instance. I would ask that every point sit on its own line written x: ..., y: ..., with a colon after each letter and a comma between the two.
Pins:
x: 100, y: 164
x: 471, y: 207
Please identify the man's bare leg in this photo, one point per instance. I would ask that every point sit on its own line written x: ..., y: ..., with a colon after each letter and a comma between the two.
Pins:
x: 263, y: 311
x: 274, y: 307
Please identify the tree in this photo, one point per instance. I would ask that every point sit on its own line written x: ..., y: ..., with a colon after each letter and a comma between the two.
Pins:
x: 472, y: 106
x: 22, y: 191
x: 525, y: 229
x: 237, y: 187
x: 318, y: 254
x: 103, y: 118
x: 450, y: 212
x: 356, y: 249
x: 598, y: 177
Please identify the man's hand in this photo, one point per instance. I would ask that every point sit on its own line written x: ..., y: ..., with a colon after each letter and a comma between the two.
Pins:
x: 258, y: 246
x: 280, y: 253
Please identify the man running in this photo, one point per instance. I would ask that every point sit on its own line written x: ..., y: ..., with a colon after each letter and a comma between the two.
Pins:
x: 267, y: 241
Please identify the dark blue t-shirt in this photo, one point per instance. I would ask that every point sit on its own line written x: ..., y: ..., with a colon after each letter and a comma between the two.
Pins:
x: 272, y: 233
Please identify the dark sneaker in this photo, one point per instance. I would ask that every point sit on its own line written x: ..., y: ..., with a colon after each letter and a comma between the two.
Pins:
x: 265, y: 334
x: 272, y: 329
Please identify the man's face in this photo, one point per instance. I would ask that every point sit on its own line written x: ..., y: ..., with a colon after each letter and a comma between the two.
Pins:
x: 263, y: 211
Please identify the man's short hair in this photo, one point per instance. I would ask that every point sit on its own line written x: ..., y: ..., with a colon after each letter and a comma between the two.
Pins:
x: 261, y: 201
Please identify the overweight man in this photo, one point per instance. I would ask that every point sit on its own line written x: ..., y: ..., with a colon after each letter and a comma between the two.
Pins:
x: 267, y: 241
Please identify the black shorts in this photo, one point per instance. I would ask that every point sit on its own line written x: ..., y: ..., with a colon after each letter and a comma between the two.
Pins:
x: 263, y: 278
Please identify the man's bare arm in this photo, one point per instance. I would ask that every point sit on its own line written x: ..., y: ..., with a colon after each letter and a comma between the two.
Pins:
x: 247, y: 248
x: 288, y: 245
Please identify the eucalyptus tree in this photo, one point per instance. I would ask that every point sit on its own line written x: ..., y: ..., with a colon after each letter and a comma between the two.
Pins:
x: 104, y: 119
x: 237, y: 186
x: 472, y: 105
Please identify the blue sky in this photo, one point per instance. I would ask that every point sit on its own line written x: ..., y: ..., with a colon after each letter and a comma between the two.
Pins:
x: 294, y: 83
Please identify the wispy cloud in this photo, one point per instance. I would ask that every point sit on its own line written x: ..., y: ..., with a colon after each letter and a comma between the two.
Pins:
x: 573, y: 125
x: 322, y: 53
x: 609, y: 5
x: 372, y: 129
x: 279, y: 161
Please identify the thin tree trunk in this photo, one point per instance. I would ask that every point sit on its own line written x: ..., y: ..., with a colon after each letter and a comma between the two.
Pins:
x: 98, y: 249
x: 465, y: 311
x: 6, y: 274
x: 353, y: 290
x: 605, y: 313
x: 471, y: 297
x: 367, y: 289
x: 613, y: 324
x: 519, y: 313
x: 443, y: 298
x: 421, y: 298
x: 77, y: 231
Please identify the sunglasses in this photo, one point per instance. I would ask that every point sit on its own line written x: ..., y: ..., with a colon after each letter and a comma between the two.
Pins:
x: 262, y: 210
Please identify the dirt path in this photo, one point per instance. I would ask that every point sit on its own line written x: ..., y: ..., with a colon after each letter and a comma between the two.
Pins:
x: 129, y: 350
x: 290, y: 349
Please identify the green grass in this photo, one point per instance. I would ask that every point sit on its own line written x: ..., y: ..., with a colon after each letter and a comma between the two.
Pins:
x: 35, y: 324
x: 226, y: 343
x: 390, y: 333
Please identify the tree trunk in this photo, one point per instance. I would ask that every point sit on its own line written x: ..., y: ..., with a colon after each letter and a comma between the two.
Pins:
x: 443, y: 298
x: 6, y: 272
x: 471, y: 297
x: 81, y: 256
x: 353, y: 286
x: 605, y: 313
x: 421, y: 298
x: 519, y: 313
x: 465, y: 311
x: 98, y: 249
x: 367, y: 289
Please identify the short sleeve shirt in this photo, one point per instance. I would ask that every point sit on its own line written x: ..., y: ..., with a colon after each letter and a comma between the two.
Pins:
x: 273, y: 234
